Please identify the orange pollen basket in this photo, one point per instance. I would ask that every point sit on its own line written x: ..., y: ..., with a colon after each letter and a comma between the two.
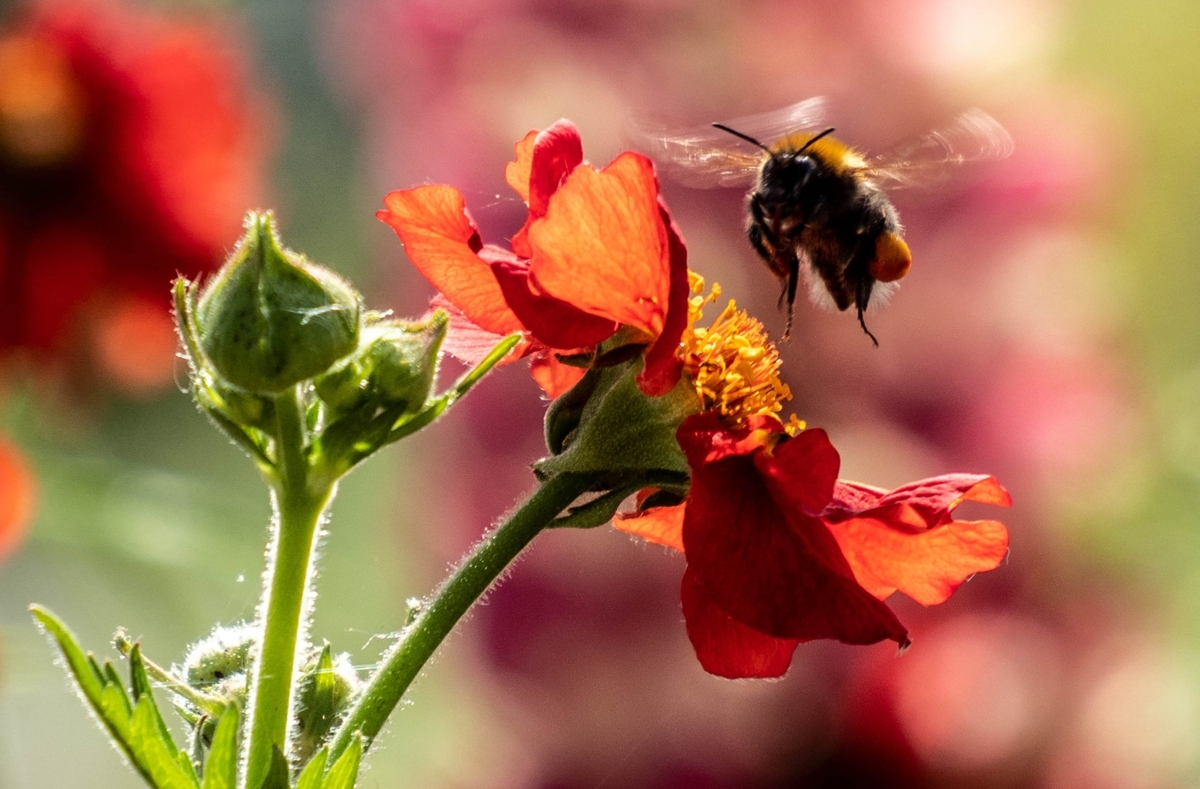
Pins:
x: 41, y: 106
x: 732, y: 364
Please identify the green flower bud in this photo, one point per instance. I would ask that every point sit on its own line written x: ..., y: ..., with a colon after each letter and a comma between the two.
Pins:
x: 270, y: 318
x: 328, y: 684
x: 222, y: 654
x: 396, y: 366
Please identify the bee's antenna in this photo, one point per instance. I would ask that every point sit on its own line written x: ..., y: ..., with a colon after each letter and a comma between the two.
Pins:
x: 745, y: 137
x: 828, y: 131
x: 863, y: 323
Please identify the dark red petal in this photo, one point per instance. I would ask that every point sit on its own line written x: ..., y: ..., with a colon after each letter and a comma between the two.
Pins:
x: 553, y: 322
x: 704, y: 439
x: 557, y: 150
x: 726, y: 647
x: 801, y: 472
x: 663, y: 365
x: 906, y: 543
x: 442, y: 241
x: 602, y: 245
x: 780, y: 573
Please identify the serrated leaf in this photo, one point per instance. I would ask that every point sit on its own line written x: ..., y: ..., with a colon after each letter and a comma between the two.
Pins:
x: 89, y: 680
x: 157, y: 757
x: 344, y: 772
x: 220, y: 769
x: 140, y: 683
x: 277, y: 774
x: 111, y: 675
x: 314, y: 772
x: 115, y: 705
x: 189, y: 767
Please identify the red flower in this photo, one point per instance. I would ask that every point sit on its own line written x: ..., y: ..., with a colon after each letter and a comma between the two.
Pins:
x: 16, y: 498
x: 128, y: 153
x: 598, y: 250
x: 779, y: 551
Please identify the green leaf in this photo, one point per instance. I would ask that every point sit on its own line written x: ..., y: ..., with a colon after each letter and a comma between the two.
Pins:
x: 277, y: 773
x: 344, y: 772
x: 314, y: 772
x: 188, y: 767
x: 116, y: 707
x: 157, y: 757
x: 142, y: 692
x: 220, y: 770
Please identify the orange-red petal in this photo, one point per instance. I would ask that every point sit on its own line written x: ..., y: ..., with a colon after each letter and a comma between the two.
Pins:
x: 659, y: 525
x: 551, y: 321
x: 16, y: 498
x: 516, y: 172
x: 602, y: 245
x: 443, y: 242
x: 908, y: 541
x: 663, y: 365
x: 554, y: 377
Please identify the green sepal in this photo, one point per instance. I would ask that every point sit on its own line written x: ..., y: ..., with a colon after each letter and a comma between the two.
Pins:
x: 607, y: 424
x: 220, y: 769
x: 344, y: 772
x: 277, y: 774
x: 314, y: 772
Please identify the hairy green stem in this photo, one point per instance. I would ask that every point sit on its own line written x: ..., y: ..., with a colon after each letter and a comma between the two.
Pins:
x: 289, y: 570
x: 453, y: 599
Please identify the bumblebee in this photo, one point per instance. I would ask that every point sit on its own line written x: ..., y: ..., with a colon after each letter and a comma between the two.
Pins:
x: 818, y: 208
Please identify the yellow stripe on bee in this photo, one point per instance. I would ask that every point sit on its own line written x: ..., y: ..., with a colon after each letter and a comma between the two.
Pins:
x: 841, y: 158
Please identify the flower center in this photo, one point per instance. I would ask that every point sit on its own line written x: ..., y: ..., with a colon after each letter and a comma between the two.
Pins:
x: 41, y: 107
x: 732, y: 364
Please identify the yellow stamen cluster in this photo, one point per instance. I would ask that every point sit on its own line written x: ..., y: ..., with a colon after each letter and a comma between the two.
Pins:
x: 732, y: 364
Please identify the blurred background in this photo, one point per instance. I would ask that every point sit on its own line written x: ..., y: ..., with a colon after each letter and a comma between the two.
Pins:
x: 1047, y: 334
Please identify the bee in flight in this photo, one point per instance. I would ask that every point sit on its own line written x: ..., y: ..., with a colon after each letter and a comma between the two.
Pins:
x: 817, y: 208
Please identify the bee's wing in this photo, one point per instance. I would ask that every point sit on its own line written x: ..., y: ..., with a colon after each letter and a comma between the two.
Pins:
x: 707, y: 157
x: 973, y: 136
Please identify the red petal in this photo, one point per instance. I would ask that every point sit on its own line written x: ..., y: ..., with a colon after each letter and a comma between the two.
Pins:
x: 16, y: 498
x: 704, y: 439
x: 516, y: 173
x: 602, y: 245
x: 726, y: 647
x: 442, y: 241
x: 801, y: 472
x: 659, y: 525
x: 663, y: 365
x: 467, y: 342
x: 557, y: 151
x: 778, y: 572
x: 909, y: 540
x: 554, y: 323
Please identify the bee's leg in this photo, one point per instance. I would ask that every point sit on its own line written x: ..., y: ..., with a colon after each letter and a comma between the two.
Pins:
x: 793, y: 278
x: 863, y: 297
x: 759, y: 231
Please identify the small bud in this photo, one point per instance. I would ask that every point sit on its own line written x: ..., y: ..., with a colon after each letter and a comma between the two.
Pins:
x: 270, y: 318
x: 328, y: 684
x: 396, y: 366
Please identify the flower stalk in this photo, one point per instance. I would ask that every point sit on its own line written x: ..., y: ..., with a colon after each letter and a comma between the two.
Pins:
x: 299, y: 511
x: 477, y: 572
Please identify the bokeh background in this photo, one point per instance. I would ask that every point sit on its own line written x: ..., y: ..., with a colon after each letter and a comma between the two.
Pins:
x: 1048, y: 334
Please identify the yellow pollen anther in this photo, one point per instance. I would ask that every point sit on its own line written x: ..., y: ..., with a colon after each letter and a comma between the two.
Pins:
x: 732, y: 363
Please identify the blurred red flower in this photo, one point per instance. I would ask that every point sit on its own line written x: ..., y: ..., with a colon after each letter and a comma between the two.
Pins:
x: 598, y: 250
x: 780, y: 551
x: 16, y: 498
x: 129, y: 149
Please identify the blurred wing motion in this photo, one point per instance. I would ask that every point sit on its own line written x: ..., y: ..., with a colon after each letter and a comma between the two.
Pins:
x: 707, y: 157
x: 974, y: 136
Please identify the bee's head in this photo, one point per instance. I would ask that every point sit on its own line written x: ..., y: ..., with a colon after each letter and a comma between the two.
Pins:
x: 783, y: 178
